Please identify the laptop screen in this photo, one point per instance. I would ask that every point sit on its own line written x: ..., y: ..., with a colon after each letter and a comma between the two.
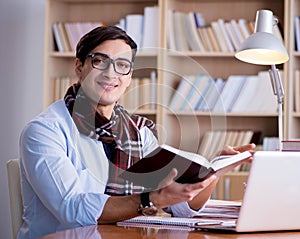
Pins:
x: 272, y: 196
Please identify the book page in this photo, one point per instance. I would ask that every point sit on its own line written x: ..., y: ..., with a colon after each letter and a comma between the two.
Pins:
x: 226, y: 160
x: 216, y: 163
x: 197, y: 158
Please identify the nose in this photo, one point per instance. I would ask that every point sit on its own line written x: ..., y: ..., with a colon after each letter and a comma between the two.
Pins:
x: 110, y: 71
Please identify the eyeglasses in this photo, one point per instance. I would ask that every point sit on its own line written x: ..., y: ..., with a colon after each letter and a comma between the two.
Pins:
x: 102, y: 62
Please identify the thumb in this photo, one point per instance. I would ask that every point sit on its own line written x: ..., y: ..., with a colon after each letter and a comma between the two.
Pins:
x: 168, y: 179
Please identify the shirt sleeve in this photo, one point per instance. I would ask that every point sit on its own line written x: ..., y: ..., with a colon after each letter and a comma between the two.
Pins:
x: 149, y: 140
x: 49, y: 167
x: 183, y: 210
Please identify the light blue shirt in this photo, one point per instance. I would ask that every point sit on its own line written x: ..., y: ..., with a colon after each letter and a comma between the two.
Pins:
x: 64, y: 174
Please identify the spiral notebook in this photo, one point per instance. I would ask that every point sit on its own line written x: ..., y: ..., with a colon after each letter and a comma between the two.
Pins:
x: 174, y: 221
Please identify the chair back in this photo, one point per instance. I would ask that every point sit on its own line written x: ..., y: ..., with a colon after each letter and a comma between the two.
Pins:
x: 14, y: 188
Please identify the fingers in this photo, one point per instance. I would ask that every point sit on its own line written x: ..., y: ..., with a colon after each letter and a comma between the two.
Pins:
x: 203, y: 184
x: 168, y: 179
x: 245, y: 147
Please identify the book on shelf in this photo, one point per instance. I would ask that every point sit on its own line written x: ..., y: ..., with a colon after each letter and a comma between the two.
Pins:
x: 180, y: 31
x: 237, y: 30
x: 64, y: 35
x: 215, y: 140
x: 61, y: 84
x: 170, y: 30
x: 146, y: 93
x: 236, y: 94
x: 179, y: 96
x: 219, y: 36
x: 134, y: 27
x: 73, y: 34
x: 232, y: 35
x: 297, y: 33
x: 191, y: 167
x: 150, y: 26
x: 192, y: 94
x: 229, y: 94
x: 256, y: 87
x: 244, y: 28
x: 270, y: 143
x: 203, y: 34
x: 268, y: 101
x: 199, y: 19
x: 212, y: 95
x: 131, y: 98
x: 291, y: 145
x: 247, y: 95
x: 297, y: 91
x: 140, y: 94
x: 213, y: 39
x: 207, y: 81
x: 194, y: 41
x: 67, y: 34
x: 58, y: 37
x: 196, y: 93
x: 228, y: 41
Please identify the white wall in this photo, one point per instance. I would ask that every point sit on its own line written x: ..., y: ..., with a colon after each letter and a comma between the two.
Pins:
x: 21, y: 72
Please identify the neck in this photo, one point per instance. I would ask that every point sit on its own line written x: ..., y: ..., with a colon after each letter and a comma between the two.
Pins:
x: 105, y: 110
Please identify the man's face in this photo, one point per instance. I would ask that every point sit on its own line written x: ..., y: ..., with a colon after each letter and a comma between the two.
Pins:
x: 105, y: 87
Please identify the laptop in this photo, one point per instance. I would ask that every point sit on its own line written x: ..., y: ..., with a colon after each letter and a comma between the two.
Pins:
x: 271, y: 200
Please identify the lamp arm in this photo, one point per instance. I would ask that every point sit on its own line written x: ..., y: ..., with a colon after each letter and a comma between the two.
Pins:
x: 279, y: 92
x: 276, y: 83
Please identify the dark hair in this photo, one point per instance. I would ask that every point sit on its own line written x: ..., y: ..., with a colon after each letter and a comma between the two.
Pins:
x: 100, y: 34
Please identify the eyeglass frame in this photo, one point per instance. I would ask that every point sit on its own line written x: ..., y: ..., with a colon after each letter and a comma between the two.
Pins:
x: 111, y: 61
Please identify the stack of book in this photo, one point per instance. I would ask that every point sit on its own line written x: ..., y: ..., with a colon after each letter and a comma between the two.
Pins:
x: 236, y: 94
x: 270, y: 143
x: 140, y: 94
x: 291, y: 145
x: 214, y: 140
x: 189, y: 32
x: 67, y: 34
x: 61, y: 84
x: 143, y: 28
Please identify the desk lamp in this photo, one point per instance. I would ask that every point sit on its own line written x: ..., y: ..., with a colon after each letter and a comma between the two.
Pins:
x: 264, y: 48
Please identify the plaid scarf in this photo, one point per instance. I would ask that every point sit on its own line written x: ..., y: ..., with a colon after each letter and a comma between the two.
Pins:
x: 120, y: 136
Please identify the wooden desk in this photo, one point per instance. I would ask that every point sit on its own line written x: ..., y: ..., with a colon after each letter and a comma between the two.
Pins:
x: 120, y: 232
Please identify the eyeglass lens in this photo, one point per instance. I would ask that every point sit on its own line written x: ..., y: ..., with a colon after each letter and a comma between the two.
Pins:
x: 102, y: 62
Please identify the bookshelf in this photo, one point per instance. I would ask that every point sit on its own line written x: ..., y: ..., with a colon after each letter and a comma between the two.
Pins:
x: 216, y: 64
x: 183, y: 129
x: 292, y: 114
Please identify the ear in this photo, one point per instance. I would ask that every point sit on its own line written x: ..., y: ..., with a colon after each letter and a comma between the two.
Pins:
x: 129, y: 79
x: 78, y: 67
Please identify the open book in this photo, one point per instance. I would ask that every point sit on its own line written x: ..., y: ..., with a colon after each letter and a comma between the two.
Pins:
x: 191, y: 167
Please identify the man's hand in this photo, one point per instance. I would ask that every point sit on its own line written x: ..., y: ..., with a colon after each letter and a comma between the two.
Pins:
x: 230, y: 150
x: 171, y: 192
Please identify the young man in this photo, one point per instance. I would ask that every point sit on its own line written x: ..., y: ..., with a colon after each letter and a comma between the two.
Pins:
x: 72, y: 153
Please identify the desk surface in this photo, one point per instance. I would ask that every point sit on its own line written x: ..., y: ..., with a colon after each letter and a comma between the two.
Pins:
x: 125, y: 232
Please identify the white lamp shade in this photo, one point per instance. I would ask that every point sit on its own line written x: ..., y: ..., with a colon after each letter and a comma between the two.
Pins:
x: 262, y: 47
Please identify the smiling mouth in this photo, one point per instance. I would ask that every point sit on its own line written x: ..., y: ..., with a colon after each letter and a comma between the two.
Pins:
x: 107, y: 86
